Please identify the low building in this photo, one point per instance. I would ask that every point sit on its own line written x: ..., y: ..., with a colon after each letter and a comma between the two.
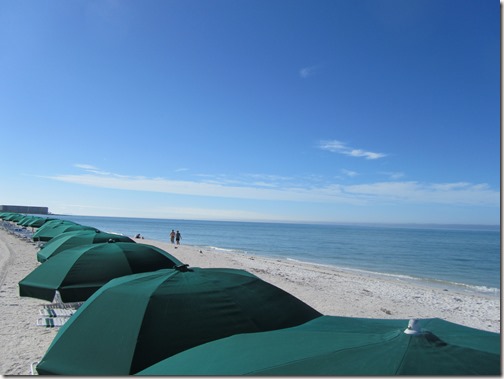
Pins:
x: 24, y: 209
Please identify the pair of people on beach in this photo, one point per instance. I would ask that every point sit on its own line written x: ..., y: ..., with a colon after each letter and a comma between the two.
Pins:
x: 175, y: 237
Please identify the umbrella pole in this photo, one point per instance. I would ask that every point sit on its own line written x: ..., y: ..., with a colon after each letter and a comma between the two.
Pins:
x: 413, y: 327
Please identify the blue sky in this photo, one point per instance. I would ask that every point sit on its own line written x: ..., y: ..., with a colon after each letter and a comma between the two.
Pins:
x: 330, y: 111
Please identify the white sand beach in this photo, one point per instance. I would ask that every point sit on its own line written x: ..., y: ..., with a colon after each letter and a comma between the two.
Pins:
x: 329, y: 290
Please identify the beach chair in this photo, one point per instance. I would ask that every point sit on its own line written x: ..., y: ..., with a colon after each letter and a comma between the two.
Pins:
x: 51, y: 322
x: 57, y: 312
x: 58, y: 303
x: 72, y: 306
x: 33, y: 368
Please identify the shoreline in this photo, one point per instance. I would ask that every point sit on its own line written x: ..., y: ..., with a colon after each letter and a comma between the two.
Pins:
x: 329, y: 290
x: 471, y: 289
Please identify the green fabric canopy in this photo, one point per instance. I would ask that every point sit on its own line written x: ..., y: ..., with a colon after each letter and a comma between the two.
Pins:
x: 332, y: 345
x: 135, y: 321
x: 4, y: 215
x: 27, y: 219
x: 68, y: 240
x: 14, y: 217
x: 55, y: 227
x: 39, y: 222
x: 79, y: 272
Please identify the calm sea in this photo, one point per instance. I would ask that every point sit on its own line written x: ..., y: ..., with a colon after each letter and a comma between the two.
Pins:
x: 467, y: 257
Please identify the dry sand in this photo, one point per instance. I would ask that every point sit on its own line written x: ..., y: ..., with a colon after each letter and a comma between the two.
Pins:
x: 331, y: 291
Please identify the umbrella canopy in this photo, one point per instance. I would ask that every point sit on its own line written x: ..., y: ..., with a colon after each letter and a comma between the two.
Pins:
x: 37, y: 223
x: 135, y: 321
x: 81, y: 271
x: 53, y: 224
x: 24, y: 221
x: 331, y: 345
x: 52, y: 228
x: 14, y: 217
x: 4, y: 215
x: 68, y: 240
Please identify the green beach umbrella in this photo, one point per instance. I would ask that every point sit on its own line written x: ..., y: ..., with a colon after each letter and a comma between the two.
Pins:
x: 4, y: 215
x: 26, y: 220
x: 81, y: 271
x: 68, y: 240
x: 14, y: 217
x: 37, y: 223
x: 33, y: 221
x: 53, y: 228
x: 331, y: 345
x: 53, y: 224
x: 135, y: 321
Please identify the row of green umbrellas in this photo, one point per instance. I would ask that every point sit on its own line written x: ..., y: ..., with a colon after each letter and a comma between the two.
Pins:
x: 89, y: 260
x: 48, y: 227
x: 53, y: 228
x: 11, y: 216
x: 78, y: 260
x: 25, y: 220
x: 140, y: 317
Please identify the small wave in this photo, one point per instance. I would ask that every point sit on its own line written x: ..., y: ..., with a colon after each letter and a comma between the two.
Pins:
x: 439, y: 283
x: 300, y: 261
x: 487, y: 289
x: 426, y: 281
x: 482, y: 289
x: 368, y: 272
x: 225, y: 250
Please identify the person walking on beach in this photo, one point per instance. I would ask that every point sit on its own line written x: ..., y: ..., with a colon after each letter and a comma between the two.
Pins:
x: 178, y: 237
x: 172, y: 236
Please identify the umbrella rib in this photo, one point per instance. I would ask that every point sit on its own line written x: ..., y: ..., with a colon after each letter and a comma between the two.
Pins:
x: 404, y: 355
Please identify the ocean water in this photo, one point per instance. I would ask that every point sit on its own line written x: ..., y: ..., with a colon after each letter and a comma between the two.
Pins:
x: 466, y: 257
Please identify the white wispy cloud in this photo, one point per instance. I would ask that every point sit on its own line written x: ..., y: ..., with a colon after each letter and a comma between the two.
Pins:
x: 349, y: 173
x: 247, y: 179
x: 460, y: 193
x: 393, y: 175
x: 216, y: 213
x: 432, y: 193
x: 306, y: 72
x: 195, y: 188
x: 336, y: 146
x: 85, y: 166
x: 91, y: 168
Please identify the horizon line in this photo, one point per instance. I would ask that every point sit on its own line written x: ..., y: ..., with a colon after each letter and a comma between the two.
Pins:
x: 363, y: 223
